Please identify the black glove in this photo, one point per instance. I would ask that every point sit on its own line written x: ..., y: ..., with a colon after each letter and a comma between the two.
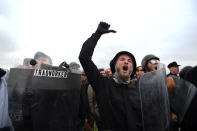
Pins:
x: 33, y: 62
x: 2, y: 72
x: 103, y: 28
x: 64, y: 64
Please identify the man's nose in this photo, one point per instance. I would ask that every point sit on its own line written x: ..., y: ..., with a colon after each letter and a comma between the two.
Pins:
x: 126, y: 62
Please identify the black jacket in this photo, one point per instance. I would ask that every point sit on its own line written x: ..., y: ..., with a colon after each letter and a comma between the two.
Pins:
x: 191, y: 76
x: 5, y: 129
x: 119, y: 104
x: 84, y: 107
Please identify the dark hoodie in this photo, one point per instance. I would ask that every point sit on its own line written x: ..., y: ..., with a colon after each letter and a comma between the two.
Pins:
x: 119, y: 104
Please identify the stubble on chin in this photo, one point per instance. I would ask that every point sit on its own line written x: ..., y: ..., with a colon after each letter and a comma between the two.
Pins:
x: 122, y: 76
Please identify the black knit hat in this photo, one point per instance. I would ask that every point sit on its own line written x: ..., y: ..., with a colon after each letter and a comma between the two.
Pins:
x: 113, y: 61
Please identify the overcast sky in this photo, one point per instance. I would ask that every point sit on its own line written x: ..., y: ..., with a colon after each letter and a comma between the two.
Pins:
x: 166, y: 28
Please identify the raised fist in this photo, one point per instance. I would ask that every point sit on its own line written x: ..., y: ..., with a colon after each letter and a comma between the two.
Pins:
x: 103, y: 28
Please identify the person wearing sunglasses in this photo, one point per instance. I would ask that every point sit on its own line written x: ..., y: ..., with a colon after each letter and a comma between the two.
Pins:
x: 182, y: 97
x: 150, y: 62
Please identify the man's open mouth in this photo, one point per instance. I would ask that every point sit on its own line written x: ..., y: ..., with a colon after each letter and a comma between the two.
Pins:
x: 125, y: 68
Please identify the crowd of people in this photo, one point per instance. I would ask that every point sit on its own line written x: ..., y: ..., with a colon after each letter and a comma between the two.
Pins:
x: 125, y: 98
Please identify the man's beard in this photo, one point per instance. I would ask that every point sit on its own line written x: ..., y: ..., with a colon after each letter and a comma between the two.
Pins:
x: 123, y: 77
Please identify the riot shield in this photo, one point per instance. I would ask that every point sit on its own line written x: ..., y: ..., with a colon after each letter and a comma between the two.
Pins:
x: 17, y: 83
x: 181, y: 96
x: 48, y: 99
x: 154, y: 101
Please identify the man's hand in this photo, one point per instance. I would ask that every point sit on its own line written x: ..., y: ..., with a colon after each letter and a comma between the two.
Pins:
x: 103, y: 28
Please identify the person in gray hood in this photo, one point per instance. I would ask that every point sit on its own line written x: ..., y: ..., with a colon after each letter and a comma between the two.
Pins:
x: 150, y: 62
x: 182, y: 97
x: 118, y: 100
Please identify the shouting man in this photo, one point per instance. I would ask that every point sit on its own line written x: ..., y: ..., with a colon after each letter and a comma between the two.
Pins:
x: 118, y: 100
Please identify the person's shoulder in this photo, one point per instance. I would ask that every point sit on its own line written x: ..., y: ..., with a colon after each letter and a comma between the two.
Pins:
x: 168, y: 75
x: 171, y: 75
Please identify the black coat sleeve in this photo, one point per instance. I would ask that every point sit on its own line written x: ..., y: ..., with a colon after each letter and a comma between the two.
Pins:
x: 5, y: 129
x: 90, y: 69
